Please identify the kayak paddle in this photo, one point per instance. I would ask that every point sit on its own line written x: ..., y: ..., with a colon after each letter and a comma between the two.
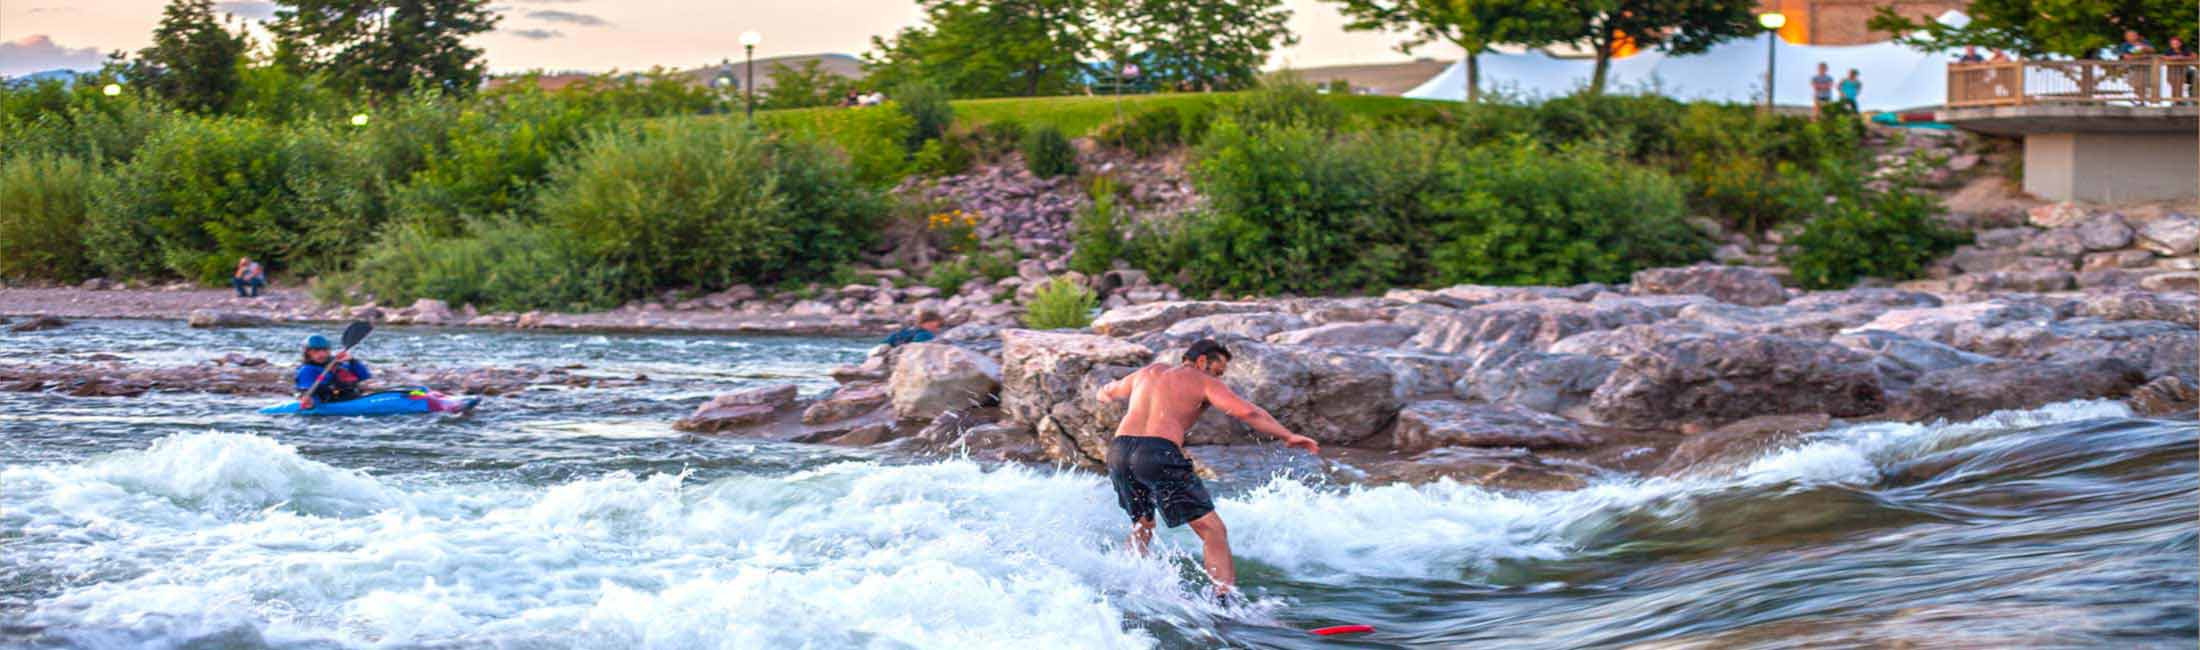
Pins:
x: 353, y: 334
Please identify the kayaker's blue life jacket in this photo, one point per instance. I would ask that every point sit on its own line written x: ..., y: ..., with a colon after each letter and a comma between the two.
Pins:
x: 908, y: 335
x: 342, y: 383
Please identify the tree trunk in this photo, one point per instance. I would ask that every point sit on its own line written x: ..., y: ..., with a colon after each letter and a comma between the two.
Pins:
x: 1474, y: 77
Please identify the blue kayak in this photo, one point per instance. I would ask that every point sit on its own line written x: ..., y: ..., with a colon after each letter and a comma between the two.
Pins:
x: 396, y: 402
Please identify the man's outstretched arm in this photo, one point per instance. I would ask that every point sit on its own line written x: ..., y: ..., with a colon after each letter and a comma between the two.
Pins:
x: 1228, y: 401
x: 1121, y: 388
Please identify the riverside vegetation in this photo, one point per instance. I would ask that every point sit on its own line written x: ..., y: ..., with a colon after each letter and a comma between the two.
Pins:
x: 519, y: 198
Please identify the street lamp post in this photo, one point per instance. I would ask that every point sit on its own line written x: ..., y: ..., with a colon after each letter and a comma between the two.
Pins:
x: 1772, y: 23
x: 749, y: 39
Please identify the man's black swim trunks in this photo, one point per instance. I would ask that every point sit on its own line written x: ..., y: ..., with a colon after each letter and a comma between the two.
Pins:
x: 1150, y: 472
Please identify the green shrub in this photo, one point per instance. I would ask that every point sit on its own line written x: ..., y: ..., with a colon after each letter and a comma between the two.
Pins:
x: 202, y: 192
x: 1284, y: 101
x: 1096, y: 235
x: 1061, y: 303
x: 494, y: 157
x: 948, y: 277
x: 871, y: 138
x: 946, y: 156
x: 1889, y: 233
x: 500, y: 264
x: 708, y: 203
x: 997, y: 138
x: 1048, y: 153
x: 1158, y: 129
x: 51, y: 118
x: 929, y: 113
x: 1294, y: 210
x: 1516, y: 213
x: 43, y: 200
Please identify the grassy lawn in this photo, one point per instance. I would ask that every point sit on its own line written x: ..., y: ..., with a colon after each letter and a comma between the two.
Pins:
x: 1078, y: 115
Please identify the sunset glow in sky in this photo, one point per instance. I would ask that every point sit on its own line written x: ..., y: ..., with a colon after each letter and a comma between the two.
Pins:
x: 598, y: 35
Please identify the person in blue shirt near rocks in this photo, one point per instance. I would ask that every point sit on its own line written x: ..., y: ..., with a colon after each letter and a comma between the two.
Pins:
x: 343, y: 380
x: 927, y: 327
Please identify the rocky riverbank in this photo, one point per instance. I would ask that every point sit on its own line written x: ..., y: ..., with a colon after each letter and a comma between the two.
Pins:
x: 1521, y: 386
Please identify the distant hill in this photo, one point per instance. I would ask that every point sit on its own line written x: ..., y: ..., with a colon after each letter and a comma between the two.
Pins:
x: 66, y: 76
x: 840, y: 64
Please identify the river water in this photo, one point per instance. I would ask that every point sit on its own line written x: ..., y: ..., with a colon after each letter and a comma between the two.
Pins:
x: 562, y: 518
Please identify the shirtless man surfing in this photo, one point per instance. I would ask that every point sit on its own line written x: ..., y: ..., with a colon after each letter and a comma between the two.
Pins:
x: 1146, y: 460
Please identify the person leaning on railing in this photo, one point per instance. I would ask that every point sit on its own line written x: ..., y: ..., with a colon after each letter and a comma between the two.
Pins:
x: 2182, y: 77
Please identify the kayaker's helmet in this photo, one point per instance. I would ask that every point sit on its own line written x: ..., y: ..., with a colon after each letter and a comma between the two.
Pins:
x: 318, y: 342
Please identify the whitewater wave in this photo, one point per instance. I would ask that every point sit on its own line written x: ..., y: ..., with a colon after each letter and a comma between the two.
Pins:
x: 210, y: 534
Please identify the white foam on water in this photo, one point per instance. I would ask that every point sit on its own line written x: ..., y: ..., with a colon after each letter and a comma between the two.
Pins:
x: 219, y: 531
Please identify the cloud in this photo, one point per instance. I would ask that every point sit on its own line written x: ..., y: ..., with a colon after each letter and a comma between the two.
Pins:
x: 51, y: 10
x: 252, y: 9
x: 567, y: 17
x: 38, y: 53
x: 536, y: 34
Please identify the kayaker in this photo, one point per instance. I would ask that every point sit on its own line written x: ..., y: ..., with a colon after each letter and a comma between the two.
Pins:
x: 343, y: 380
x: 1146, y: 460
x: 927, y: 327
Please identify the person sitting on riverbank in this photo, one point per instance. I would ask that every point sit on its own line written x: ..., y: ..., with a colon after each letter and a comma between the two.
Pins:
x: 927, y: 327
x: 248, y: 279
x: 343, y: 380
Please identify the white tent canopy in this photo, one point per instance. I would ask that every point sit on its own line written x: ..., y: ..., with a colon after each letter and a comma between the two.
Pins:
x: 1895, y: 77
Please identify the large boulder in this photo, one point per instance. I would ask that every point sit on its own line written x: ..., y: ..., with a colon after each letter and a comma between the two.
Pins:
x: 1154, y: 317
x: 1719, y: 377
x: 1346, y: 334
x: 739, y: 410
x: 1740, y: 285
x: 2106, y: 231
x: 1333, y: 396
x: 2171, y: 235
x: 1045, y: 373
x: 1782, y: 320
x: 2165, y: 396
x: 2182, y: 308
x: 2060, y: 244
x: 2055, y: 215
x: 1972, y: 391
x: 429, y: 311
x: 847, y: 402
x: 1493, y: 332
x: 206, y: 318
x: 1430, y: 424
x: 931, y: 379
x: 1253, y: 325
x: 1546, y: 382
x: 1902, y: 359
x: 1877, y: 296
x: 1945, y: 324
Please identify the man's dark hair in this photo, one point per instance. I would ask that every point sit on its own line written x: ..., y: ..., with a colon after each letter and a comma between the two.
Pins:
x: 1206, y: 348
x: 928, y: 316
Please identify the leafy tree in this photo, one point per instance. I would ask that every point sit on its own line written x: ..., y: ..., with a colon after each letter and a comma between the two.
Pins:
x: 1212, y: 45
x: 385, y: 47
x: 1675, y: 26
x: 978, y: 48
x: 809, y: 85
x: 2033, y: 28
x: 193, y: 61
x: 1473, y: 25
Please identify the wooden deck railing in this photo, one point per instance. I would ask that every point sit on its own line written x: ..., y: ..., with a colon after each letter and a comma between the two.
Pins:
x: 2150, y: 81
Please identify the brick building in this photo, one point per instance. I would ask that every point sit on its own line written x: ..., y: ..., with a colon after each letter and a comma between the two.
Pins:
x: 1841, y: 22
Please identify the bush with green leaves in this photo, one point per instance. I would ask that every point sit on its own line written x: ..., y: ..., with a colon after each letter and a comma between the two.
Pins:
x: 1157, y: 129
x: 997, y: 138
x: 43, y: 201
x: 930, y: 116
x: 494, y: 156
x: 1292, y: 209
x: 949, y: 276
x: 1097, y: 232
x: 1283, y: 101
x: 1890, y: 234
x: 1048, y: 153
x: 945, y: 156
x: 872, y: 138
x: 500, y: 263
x: 203, y: 192
x: 1061, y: 303
x: 51, y: 117
x: 709, y: 203
x: 1518, y: 213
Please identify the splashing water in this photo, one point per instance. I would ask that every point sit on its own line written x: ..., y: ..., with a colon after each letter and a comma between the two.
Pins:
x: 550, y: 522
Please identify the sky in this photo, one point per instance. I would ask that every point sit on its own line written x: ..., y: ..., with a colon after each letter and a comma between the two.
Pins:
x: 600, y: 35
